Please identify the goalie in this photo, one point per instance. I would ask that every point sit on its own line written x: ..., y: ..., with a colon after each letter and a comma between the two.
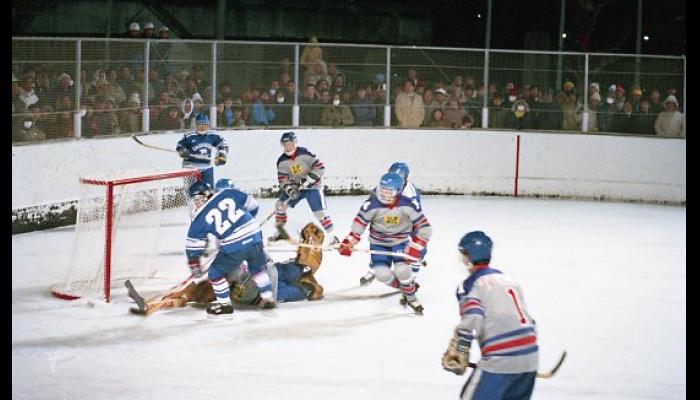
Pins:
x: 292, y: 280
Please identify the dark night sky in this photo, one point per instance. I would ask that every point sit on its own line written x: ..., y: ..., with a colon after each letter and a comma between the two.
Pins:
x: 455, y: 23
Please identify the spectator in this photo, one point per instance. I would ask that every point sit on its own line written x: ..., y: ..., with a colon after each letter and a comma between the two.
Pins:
x: 408, y: 107
x: 467, y: 122
x: 198, y: 105
x: 283, y: 108
x: 164, y: 33
x: 380, y: 103
x: 226, y: 118
x: 199, y: 78
x: 472, y: 104
x: 593, y: 103
x: 26, y: 92
x: 606, y: 111
x: 519, y: 114
x: 188, y: 113
x: 190, y: 87
x: 238, y: 119
x: 333, y: 72
x: 149, y: 30
x: 439, y: 101
x: 105, y: 122
x: 63, y: 125
x: 655, y: 101
x: 457, y: 88
x: 289, y: 87
x: 337, y: 113
x: 62, y: 88
x: 511, y: 98
x: 169, y: 120
x: 635, y: 98
x: 572, y: 112
x: 163, y: 103
x: 131, y: 116
x: 124, y: 79
x: 437, y: 120
x: 412, y: 76
x: 669, y: 123
x: 322, y: 86
x: 339, y: 83
x: 315, y: 73
x: 643, y: 121
x: 134, y: 31
x: 115, y: 90
x: 311, y: 54
x: 42, y: 88
x: 284, y: 78
x: 533, y: 101
x: 27, y: 131
x: 363, y: 109
x: 498, y: 115
x: 453, y: 114
x: 262, y: 113
x: 309, y: 107
x: 326, y: 98
x: 622, y: 121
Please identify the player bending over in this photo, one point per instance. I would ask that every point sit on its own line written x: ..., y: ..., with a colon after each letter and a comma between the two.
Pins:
x: 409, y: 190
x: 493, y: 312
x: 396, y: 224
x: 224, y: 215
x: 292, y: 280
x: 299, y: 175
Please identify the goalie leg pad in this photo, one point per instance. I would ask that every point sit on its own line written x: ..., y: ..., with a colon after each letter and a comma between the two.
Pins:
x: 315, y: 291
x: 309, y: 257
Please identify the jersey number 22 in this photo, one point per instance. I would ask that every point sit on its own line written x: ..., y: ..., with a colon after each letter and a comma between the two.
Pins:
x: 215, y: 217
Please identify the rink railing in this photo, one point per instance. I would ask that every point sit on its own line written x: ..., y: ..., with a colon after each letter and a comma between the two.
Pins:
x: 241, y: 63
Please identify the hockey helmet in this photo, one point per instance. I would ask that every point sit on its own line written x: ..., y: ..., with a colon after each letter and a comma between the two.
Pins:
x: 200, y: 192
x: 390, y: 185
x: 289, y: 142
x: 202, y: 122
x: 224, y: 183
x: 477, y: 246
x: 400, y: 168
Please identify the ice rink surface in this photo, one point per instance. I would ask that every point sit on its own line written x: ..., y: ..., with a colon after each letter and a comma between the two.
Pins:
x: 605, y: 282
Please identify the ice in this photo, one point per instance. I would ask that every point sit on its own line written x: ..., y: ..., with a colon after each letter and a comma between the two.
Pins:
x: 605, y: 282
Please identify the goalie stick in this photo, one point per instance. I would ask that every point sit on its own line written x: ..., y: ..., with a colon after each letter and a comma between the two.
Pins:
x: 543, y: 375
x: 335, y: 248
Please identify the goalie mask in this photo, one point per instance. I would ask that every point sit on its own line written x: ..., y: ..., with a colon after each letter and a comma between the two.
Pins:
x: 200, y: 192
x: 390, y: 185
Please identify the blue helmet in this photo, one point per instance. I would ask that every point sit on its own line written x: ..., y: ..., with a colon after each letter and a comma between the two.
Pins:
x: 224, y: 183
x: 390, y: 185
x: 477, y: 246
x: 288, y: 137
x: 200, y: 188
x: 400, y: 168
x: 202, y: 119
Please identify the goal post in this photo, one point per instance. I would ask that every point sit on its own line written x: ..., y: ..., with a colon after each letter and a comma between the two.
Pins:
x: 131, y: 226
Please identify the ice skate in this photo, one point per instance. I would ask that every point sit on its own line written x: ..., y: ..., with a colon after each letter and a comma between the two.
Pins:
x: 413, y: 303
x: 281, y: 234
x: 218, y: 309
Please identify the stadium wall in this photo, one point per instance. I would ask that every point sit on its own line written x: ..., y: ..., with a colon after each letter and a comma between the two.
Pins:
x: 618, y: 168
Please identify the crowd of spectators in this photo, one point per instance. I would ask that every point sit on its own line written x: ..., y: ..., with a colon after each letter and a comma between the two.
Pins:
x: 112, y: 100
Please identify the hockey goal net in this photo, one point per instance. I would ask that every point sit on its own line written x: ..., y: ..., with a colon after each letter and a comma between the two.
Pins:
x: 131, y: 226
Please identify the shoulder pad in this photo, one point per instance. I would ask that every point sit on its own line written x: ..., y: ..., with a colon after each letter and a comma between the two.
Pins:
x: 282, y: 158
x: 304, y: 151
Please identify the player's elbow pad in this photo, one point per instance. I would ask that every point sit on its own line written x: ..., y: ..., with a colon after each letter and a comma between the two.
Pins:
x: 253, y: 212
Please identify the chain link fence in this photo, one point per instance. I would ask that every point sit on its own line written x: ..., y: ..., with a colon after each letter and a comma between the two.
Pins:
x: 72, y: 88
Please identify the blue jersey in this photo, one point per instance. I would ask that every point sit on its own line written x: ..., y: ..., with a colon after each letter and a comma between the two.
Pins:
x: 201, y: 148
x: 225, y: 216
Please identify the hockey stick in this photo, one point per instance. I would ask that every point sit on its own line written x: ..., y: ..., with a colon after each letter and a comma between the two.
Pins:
x: 137, y: 140
x: 543, y: 375
x: 335, y: 248
x: 284, y: 203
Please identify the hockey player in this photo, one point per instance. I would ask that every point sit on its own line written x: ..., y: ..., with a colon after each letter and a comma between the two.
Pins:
x: 493, y: 312
x: 197, y: 149
x: 249, y: 202
x: 397, y: 224
x: 292, y: 280
x: 409, y: 190
x: 299, y: 175
x: 239, y: 239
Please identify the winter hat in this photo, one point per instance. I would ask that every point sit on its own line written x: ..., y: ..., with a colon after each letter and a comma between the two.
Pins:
x: 134, y: 26
x: 596, y: 85
x: 612, y: 88
x: 441, y: 91
x: 671, y: 99
x: 149, y: 25
x: 196, y: 97
x: 568, y: 85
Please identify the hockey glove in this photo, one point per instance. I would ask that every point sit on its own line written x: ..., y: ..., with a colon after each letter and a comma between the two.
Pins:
x: 348, y: 244
x: 456, y: 358
x: 183, y: 152
x: 220, y: 159
x: 292, y: 191
x: 195, y: 268
x: 415, y: 249
x: 310, y: 179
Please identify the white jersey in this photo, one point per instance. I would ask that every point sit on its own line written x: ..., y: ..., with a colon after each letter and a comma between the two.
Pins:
x: 493, y: 312
x: 391, y: 225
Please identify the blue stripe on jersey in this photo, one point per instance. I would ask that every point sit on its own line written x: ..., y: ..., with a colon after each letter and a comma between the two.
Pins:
x: 474, y: 311
x: 526, y: 350
x: 508, y: 334
x: 469, y: 282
